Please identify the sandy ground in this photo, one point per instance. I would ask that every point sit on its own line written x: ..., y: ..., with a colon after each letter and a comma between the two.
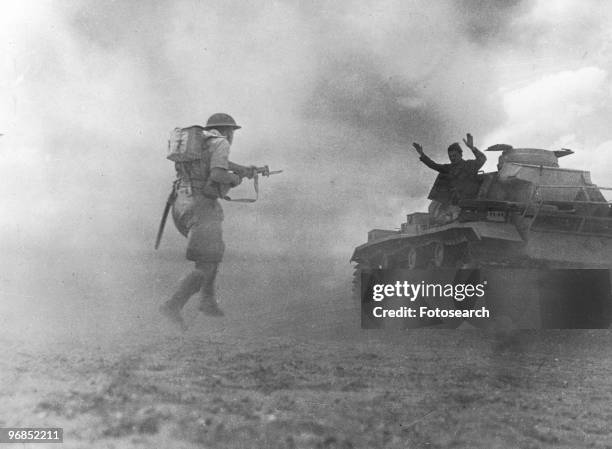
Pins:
x: 288, y: 367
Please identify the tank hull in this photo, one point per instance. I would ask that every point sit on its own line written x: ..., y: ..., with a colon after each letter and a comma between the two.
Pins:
x: 535, y: 281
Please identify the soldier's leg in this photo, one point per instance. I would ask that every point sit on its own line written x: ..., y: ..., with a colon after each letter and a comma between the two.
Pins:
x: 206, y: 248
x: 188, y: 286
x: 208, y: 296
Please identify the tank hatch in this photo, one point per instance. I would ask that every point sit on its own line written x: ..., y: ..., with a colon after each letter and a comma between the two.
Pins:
x: 529, y: 156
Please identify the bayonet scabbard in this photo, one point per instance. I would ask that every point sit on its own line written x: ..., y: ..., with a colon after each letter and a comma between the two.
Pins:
x: 162, y: 224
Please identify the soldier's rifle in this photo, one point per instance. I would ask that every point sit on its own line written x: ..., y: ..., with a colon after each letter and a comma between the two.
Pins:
x: 244, y: 171
x: 249, y: 172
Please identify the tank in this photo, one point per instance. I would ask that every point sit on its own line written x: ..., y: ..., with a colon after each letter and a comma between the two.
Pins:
x: 533, y: 224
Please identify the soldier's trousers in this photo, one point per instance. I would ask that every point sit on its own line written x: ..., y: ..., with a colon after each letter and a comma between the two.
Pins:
x: 199, y: 219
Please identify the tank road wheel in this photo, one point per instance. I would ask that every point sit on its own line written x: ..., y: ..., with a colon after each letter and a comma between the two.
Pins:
x: 416, y: 258
x: 464, y: 260
x: 438, y: 255
x: 386, y: 262
x: 356, y: 303
x: 447, y: 256
x: 357, y: 281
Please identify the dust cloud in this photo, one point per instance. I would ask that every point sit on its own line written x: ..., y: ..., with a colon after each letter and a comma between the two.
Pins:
x: 333, y: 94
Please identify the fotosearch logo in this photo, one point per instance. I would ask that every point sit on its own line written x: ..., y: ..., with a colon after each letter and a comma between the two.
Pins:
x: 412, y: 292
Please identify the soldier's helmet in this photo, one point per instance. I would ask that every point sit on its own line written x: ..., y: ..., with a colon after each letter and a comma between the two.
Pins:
x: 220, y: 119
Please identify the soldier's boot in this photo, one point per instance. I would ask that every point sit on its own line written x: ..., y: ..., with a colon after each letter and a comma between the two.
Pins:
x: 190, y: 284
x: 208, y: 298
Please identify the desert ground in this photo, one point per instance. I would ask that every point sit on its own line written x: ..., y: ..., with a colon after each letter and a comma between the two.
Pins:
x: 288, y: 367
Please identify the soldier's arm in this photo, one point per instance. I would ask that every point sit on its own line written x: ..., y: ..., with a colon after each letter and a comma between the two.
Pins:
x: 427, y: 161
x: 242, y: 170
x: 220, y: 165
x: 480, y: 156
x: 440, y: 168
x: 222, y: 176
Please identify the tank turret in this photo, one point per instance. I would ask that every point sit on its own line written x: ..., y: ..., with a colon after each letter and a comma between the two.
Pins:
x: 531, y: 156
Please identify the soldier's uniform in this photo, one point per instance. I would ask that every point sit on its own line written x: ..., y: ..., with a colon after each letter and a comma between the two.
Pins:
x: 456, y: 181
x: 198, y: 215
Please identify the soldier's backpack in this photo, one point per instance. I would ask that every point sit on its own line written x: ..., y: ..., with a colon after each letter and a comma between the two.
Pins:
x: 188, y: 145
x: 185, y: 144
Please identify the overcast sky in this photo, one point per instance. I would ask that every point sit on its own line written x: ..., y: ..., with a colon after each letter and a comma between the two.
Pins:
x: 333, y: 93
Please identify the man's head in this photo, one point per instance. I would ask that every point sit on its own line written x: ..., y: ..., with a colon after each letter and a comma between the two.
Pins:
x: 455, y: 153
x: 224, y: 123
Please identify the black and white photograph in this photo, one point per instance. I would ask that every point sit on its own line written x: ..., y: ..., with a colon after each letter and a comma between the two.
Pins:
x: 286, y: 224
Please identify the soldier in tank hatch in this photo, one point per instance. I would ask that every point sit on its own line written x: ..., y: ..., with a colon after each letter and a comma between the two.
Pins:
x: 456, y: 181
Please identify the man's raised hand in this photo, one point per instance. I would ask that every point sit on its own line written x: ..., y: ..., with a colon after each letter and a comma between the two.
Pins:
x: 469, y: 141
x: 418, y: 148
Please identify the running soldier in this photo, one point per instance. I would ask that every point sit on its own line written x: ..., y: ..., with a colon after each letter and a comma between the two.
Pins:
x: 198, y: 215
